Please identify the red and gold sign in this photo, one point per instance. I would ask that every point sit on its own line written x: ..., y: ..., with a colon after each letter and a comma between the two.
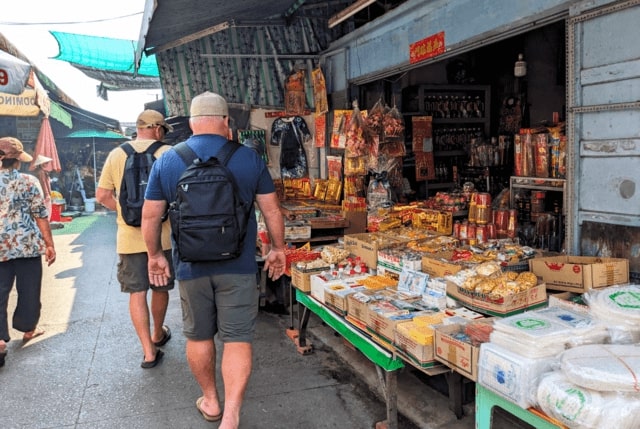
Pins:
x: 427, y: 48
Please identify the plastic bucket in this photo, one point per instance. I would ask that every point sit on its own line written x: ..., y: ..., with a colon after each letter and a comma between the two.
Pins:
x: 90, y: 205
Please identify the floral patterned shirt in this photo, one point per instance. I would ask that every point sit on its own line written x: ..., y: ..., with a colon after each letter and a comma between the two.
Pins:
x: 21, y: 202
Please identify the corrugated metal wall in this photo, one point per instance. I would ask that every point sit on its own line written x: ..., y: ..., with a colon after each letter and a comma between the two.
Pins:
x: 603, y: 124
x: 241, y: 64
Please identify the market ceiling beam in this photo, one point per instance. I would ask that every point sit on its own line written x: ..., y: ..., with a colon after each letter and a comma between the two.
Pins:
x: 275, y: 56
x: 349, y: 12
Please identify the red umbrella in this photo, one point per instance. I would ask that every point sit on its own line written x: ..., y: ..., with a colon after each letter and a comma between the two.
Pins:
x: 46, y: 146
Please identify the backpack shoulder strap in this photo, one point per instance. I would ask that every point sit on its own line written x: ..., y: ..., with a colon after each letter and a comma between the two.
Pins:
x: 154, y: 147
x: 127, y: 148
x: 186, y: 153
x: 227, y: 151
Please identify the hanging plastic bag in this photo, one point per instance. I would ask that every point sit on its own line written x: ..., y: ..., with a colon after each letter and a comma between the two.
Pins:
x: 379, y: 190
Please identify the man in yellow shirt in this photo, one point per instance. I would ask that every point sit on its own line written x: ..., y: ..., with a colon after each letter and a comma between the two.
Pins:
x: 132, y: 267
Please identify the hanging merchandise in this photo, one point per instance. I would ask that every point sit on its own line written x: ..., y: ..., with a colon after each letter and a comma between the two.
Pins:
x: 379, y: 190
x: 334, y: 167
x: 294, y: 98
x: 290, y: 134
x: 375, y: 117
x: 321, y: 130
x: 341, y: 119
x: 357, y: 134
x: 256, y: 140
x: 393, y: 124
x: 319, y: 91
x: 425, y: 166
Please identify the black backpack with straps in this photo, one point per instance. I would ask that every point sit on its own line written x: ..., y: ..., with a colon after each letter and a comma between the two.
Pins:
x: 134, y: 181
x: 208, y: 217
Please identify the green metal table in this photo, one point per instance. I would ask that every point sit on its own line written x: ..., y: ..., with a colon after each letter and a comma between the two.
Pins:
x: 386, y: 362
x: 486, y: 400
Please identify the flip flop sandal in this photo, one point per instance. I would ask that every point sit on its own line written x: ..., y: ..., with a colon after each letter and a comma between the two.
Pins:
x: 35, y: 333
x: 153, y: 363
x: 205, y: 415
x: 3, y: 356
x: 165, y: 337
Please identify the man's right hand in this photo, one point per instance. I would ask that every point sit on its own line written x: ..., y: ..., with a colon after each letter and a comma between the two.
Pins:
x: 159, y: 272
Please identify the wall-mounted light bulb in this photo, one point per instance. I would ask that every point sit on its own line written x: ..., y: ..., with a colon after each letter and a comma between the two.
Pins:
x: 520, y: 68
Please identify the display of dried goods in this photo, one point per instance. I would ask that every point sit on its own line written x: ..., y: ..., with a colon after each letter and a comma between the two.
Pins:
x: 333, y: 254
x: 355, y: 133
x: 376, y: 116
x: 393, y: 124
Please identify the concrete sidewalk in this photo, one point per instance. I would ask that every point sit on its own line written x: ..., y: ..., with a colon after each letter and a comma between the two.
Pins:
x: 85, y: 371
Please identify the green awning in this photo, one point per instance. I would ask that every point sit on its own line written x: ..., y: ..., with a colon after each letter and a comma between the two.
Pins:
x: 59, y: 114
x: 98, y: 134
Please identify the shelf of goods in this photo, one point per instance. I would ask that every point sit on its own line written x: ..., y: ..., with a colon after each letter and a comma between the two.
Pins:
x: 459, y: 117
x: 537, y: 184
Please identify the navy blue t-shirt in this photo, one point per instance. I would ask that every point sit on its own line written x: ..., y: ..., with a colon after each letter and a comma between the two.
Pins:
x: 252, y: 177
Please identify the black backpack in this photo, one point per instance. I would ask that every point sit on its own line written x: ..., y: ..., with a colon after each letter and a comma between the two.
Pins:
x: 208, y: 218
x: 134, y: 181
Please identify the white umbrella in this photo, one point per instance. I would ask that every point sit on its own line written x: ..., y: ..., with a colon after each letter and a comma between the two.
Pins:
x: 14, y: 74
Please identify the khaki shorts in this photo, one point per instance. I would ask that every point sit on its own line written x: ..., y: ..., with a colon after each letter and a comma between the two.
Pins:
x: 133, y: 273
x: 224, y: 304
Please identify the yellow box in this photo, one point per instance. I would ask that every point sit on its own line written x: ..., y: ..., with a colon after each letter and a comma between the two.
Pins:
x: 421, y: 353
x: 580, y: 273
x: 440, y: 221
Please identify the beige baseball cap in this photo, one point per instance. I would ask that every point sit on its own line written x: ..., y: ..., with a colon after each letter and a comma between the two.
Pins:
x: 209, y: 104
x: 151, y: 118
x: 12, y: 148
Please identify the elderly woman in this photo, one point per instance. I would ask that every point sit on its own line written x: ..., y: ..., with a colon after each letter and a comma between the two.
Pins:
x: 25, y: 235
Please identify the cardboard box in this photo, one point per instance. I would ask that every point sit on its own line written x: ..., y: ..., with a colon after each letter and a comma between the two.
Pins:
x: 366, y: 246
x: 319, y: 285
x: 580, y: 273
x: 301, y: 279
x: 456, y: 354
x: 529, y: 299
x: 358, y: 303
x: 297, y: 231
x: 357, y: 222
x: 383, y: 323
x: 335, y: 297
x: 570, y: 301
x: 421, y: 353
x: 440, y: 265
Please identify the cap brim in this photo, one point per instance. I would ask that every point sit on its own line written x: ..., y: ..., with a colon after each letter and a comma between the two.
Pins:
x: 25, y: 157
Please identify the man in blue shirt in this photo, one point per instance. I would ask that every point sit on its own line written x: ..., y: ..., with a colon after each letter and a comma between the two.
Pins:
x: 217, y: 297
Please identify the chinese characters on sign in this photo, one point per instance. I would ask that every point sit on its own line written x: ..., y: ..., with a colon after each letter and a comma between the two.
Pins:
x: 427, y: 48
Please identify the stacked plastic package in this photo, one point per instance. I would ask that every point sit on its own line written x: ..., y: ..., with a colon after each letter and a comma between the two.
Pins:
x: 596, y: 387
x: 619, y: 308
x: 526, y: 346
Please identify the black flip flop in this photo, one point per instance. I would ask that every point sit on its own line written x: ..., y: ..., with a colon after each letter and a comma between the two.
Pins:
x: 153, y: 363
x: 165, y: 337
x: 3, y: 356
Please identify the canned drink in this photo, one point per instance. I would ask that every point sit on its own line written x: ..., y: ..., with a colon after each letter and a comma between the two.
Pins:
x: 491, y: 231
x: 481, y: 234
x: 471, y: 231
x: 463, y: 234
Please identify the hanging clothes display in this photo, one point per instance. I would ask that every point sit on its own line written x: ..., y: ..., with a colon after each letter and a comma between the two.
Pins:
x: 290, y: 134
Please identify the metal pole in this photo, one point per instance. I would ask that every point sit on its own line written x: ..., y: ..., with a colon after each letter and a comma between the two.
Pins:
x: 95, y: 178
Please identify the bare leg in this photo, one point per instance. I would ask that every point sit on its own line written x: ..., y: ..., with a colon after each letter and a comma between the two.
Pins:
x: 236, y: 369
x: 140, y: 317
x: 201, y: 356
x: 159, y: 303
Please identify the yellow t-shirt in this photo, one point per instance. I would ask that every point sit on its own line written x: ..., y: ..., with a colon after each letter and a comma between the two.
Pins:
x: 129, y: 238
